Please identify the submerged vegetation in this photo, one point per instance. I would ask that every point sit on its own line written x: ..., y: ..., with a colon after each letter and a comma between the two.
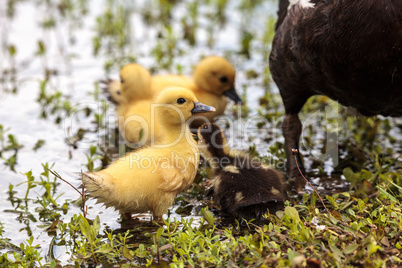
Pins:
x: 67, y: 127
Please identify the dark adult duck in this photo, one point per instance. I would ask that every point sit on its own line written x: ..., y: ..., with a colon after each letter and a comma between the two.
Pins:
x: 348, y: 50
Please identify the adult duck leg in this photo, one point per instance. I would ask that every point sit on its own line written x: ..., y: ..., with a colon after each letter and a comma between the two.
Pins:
x: 292, y: 129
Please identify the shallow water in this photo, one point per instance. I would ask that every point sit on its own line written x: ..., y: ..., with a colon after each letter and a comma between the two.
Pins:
x: 69, y: 52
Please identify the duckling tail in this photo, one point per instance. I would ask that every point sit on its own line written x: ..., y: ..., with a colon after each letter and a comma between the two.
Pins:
x: 96, y: 187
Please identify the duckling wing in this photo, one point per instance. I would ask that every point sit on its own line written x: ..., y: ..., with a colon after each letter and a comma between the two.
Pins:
x: 179, y: 178
x: 172, y: 180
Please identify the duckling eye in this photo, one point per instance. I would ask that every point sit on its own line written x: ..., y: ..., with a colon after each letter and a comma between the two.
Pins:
x: 223, y: 79
x: 181, y: 100
x: 122, y: 81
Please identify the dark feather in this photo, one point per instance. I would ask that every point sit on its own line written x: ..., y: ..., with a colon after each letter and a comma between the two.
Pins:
x: 255, y: 186
x: 348, y: 50
x: 242, y: 186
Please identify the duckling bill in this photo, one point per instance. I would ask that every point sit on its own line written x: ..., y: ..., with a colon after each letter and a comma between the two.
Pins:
x: 242, y: 186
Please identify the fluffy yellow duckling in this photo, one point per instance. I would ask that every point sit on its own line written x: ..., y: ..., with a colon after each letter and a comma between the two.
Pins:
x: 151, y: 177
x: 242, y: 186
x: 212, y: 80
x: 134, y: 85
x: 132, y: 95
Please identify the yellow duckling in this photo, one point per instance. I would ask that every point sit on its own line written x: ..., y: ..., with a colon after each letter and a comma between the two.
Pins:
x: 242, y: 186
x: 151, y: 177
x: 132, y: 95
x: 136, y: 126
x: 134, y: 85
x: 212, y: 80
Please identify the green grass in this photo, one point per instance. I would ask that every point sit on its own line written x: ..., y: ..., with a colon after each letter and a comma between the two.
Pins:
x: 362, y: 230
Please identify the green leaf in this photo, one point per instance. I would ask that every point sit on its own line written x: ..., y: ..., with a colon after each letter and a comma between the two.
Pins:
x: 96, y: 225
x: 159, y: 232
x: 351, y: 248
x: 53, y: 264
x: 92, y: 150
x: 12, y: 50
x: 346, y: 195
x: 106, y: 248
x: 347, y: 205
x: 349, y: 174
x: 292, y: 213
x: 41, y: 48
x: 38, y: 145
x: 337, y: 253
x: 85, y: 228
x: 279, y: 214
x: 293, y: 254
x: 372, y: 248
x: 351, y: 212
x: 396, y: 185
x: 127, y: 254
x: 332, y: 201
x: 208, y: 216
x: 386, y: 194
x: 181, y: 252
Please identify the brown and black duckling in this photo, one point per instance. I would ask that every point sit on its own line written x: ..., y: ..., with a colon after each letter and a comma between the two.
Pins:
x: 242, y: 185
